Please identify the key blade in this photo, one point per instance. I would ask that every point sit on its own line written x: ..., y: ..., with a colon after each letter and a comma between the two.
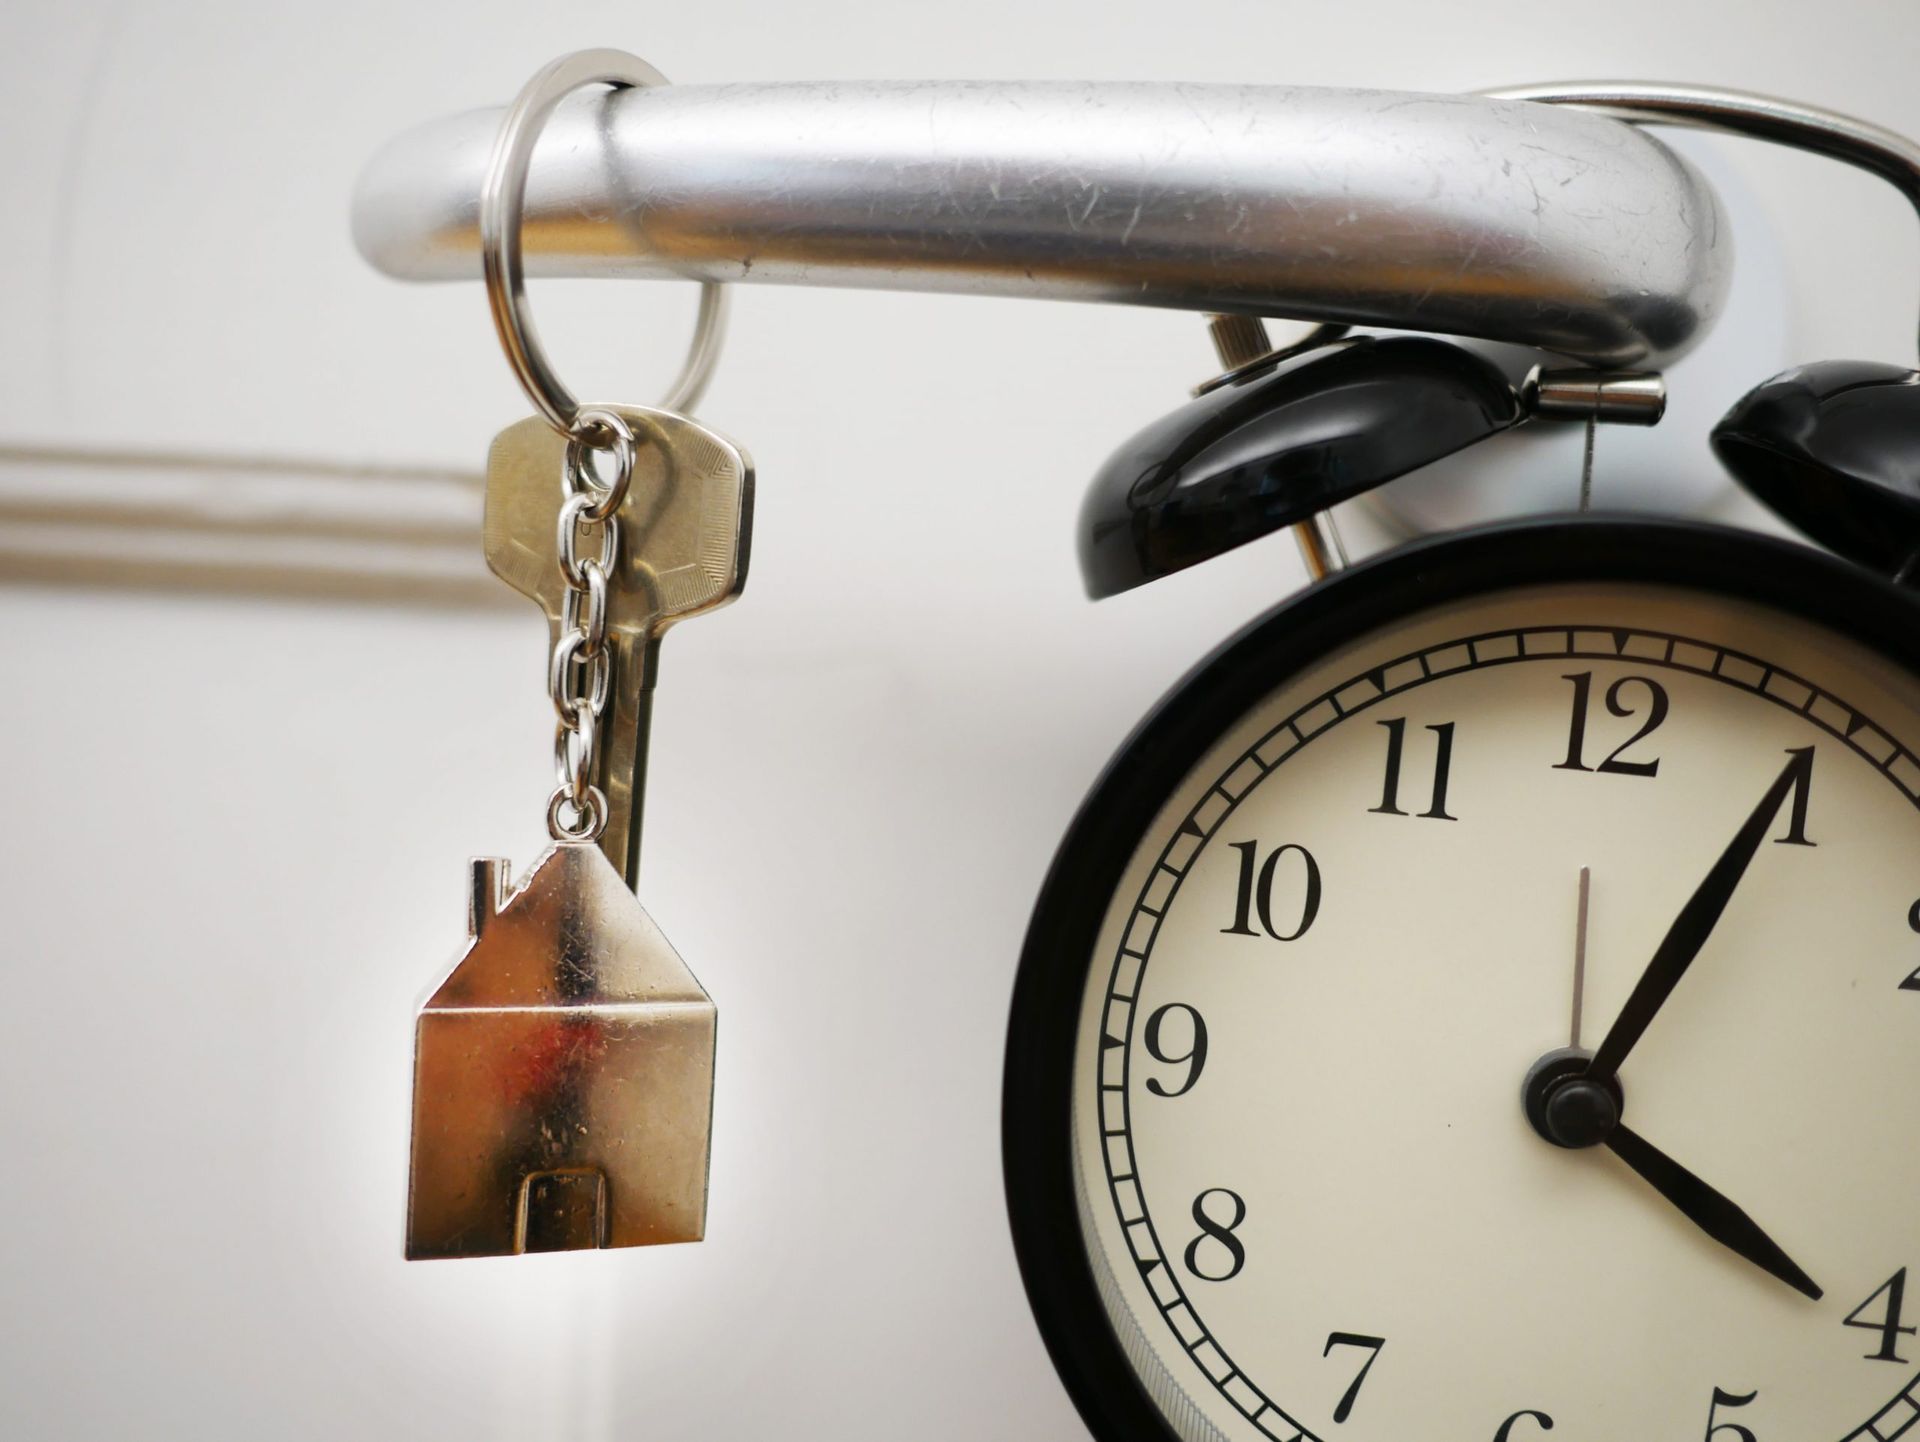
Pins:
x: 621, y: 771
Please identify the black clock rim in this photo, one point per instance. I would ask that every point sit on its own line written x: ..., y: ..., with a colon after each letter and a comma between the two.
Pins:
x: 1036, y: 1091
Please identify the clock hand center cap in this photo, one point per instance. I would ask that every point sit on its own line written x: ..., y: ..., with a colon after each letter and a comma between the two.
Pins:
x: 1567, y: 1108
x: 1581, y: 1113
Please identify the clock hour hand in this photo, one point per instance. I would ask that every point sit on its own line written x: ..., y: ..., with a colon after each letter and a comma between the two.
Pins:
x: 1707, y: 1209
x: 1694, y: 925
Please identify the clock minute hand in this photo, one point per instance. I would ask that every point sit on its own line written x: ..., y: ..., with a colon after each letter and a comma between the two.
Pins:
x: 1693, y: 926
x: 1707, y: 1209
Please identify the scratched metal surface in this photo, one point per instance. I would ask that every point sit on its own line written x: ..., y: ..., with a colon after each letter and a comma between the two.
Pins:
x: 1446, y: 213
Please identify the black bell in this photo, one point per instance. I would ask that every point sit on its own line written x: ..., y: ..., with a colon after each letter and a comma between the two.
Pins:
x: 1273, y: 448
x: 1834, y: 449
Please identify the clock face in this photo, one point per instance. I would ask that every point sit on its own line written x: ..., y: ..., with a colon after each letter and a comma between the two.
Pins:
x: 1309, y: 1191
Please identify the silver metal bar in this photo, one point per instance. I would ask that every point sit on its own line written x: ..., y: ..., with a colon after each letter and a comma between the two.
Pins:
x: 1456, y: 214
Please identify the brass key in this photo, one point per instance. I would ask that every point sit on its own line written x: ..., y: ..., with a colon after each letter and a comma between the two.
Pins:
x: 684, y: 538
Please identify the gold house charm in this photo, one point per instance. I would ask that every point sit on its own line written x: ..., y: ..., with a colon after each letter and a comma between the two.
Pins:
x: 563, y: 1074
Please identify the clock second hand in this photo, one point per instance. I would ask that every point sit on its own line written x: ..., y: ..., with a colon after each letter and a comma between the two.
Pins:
x: 1580, y: 955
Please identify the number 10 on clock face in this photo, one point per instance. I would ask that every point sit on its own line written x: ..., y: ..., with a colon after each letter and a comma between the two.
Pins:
x: 1315, y: 1191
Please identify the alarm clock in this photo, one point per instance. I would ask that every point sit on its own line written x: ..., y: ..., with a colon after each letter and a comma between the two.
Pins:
x: 1482, y: 1000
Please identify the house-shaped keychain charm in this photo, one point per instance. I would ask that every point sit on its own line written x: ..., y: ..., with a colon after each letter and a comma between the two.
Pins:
x: 563, y: 1074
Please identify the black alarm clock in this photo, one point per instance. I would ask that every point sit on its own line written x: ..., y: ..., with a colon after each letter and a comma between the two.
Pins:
x: 1482, y: 1000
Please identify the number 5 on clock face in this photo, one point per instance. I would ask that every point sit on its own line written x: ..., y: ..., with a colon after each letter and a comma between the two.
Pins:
x: 1343, y: 940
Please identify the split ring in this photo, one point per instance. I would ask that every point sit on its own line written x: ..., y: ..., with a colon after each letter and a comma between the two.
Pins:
x: 588, y: 822
x: 503, y: 196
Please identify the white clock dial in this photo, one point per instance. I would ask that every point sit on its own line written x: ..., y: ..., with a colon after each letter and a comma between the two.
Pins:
x: 1309, y: 1190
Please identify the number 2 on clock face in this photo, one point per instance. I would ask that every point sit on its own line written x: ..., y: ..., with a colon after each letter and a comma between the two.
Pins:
x: 1332, y: 963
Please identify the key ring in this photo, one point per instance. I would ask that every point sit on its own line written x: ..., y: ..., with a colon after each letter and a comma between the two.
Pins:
x: 502, y: 197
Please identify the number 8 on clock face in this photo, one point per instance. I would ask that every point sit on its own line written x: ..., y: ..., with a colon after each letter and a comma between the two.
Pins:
x: 1340, y: 1104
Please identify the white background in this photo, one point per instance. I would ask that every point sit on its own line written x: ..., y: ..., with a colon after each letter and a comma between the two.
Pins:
x: 234, y: 831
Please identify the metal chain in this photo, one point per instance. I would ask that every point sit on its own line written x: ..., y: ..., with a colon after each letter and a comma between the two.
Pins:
x: 580, y: 672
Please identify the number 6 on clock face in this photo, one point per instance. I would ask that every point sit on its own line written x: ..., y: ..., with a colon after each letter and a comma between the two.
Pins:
x: 1296, y: 1147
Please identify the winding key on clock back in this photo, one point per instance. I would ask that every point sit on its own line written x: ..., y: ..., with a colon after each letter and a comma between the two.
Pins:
x: 563, y: 1072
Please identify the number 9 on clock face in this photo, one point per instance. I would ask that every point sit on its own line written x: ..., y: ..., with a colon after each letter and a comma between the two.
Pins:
x: 1483, y: 1002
